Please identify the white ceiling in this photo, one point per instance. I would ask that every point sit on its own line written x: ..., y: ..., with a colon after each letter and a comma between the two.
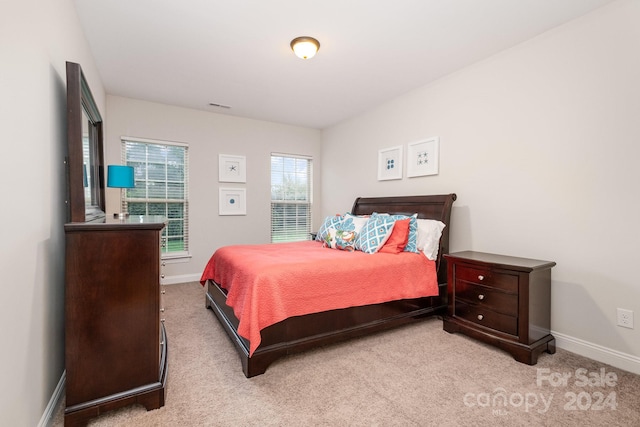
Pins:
x: 236, y: 52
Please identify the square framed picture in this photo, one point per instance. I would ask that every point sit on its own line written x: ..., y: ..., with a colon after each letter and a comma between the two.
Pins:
x: 232, y: 201
x: 390, y: 163
x: 232, y: 168
x: 422, y: 157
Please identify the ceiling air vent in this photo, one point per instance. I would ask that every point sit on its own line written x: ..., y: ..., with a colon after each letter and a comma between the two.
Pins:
x: 213, y: 104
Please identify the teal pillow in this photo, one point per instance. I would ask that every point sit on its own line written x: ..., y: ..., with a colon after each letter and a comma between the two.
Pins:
x: 375, y: 233
x: 412, y: 241
x: 329, y: 222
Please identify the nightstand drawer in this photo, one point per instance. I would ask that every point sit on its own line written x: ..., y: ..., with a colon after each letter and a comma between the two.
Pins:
x: 487, y: 297
x: 488, y: 277
x: 488, y: 318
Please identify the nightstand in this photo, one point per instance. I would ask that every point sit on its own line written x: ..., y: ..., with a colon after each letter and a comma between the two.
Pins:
x: 501, y: 300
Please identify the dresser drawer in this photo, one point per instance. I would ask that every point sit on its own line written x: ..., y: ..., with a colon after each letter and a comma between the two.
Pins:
x: 487, y: 297
x: 487, y: 277
x: 488, y: 318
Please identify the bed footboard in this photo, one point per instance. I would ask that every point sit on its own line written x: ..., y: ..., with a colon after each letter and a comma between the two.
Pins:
x: 301, y: 333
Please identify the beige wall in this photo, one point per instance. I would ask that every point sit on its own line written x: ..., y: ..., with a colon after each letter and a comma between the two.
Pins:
x: 209, y: 134
x: 36, y: 39
x: 541, y: 144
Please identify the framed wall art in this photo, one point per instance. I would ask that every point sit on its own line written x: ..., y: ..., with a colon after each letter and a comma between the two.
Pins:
x: 422, y: 157
x: 232, y: 168
x: 390, y: 163
x: 232, y: 201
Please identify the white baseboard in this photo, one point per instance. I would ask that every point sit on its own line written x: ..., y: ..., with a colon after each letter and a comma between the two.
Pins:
x: 184, y: 278
x: 597, y: 352
x: 55, y: 400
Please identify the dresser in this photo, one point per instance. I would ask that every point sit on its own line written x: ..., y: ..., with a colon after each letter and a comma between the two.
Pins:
x: 115, y: 340
x: 501, y: 300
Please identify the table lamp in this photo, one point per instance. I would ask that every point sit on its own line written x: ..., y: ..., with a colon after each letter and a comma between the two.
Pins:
x: 120, y: 177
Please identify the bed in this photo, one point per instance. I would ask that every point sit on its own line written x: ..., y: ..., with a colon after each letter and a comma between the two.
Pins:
x: 302, y: 332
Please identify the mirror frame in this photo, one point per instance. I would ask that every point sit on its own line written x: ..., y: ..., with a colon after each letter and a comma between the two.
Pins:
x: 80, y: 101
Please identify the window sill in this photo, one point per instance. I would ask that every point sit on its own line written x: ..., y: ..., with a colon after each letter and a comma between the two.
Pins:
x: 176, y: 258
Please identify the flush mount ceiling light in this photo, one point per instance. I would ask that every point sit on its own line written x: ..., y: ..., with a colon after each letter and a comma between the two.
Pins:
x: 305, y: 47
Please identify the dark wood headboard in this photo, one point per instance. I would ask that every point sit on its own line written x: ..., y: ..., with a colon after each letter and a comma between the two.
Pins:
x: 427, y: 207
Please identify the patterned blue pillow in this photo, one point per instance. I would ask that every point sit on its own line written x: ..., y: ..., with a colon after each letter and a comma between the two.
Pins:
x: 329, y: 222
x: 412, y: 241
x: 375, y: 233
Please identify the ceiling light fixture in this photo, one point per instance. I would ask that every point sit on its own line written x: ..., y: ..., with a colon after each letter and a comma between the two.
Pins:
x: 305, y: 47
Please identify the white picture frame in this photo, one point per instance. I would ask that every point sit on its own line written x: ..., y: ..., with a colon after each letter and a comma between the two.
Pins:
x: 390, y: 163
x: 232, y: 201
x: 232, y: 168
x: 422, y: 157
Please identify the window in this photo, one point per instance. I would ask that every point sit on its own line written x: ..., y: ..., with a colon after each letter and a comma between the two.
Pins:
x: 161, y: 175
x: 290, y: 198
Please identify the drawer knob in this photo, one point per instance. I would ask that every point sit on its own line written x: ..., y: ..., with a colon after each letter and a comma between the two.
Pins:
x: 162, y: 320
x: 162, y: 276
x: 481, y: 297
x: 162, y: 310
x: 163, y: 292
x: 480, y: 317
x: 480, y: 277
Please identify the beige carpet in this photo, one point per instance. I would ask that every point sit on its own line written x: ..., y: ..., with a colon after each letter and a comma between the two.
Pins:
x: 416, y: 375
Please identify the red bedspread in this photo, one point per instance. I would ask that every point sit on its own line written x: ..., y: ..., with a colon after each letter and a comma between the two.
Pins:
x: 269, y: 283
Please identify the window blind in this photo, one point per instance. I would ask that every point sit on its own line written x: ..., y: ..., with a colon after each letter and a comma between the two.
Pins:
x: 291, y: 201
x: 161, y: 171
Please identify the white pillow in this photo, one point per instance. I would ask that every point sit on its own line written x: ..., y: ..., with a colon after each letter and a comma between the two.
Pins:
x: 353, y: 222
x: 343, y: 240
x: 429, y: 232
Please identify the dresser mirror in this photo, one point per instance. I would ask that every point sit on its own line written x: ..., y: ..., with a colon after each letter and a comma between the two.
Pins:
x: 85, y: 159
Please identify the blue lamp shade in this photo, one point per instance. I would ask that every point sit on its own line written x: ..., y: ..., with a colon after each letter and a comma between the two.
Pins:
x: 120, y: 176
